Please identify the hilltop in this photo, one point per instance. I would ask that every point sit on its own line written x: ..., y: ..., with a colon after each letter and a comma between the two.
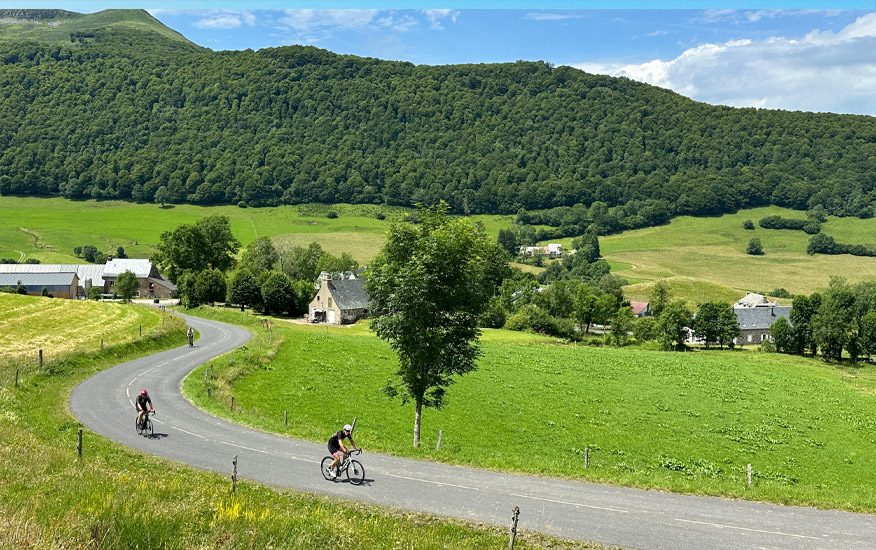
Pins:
x: 114, y: 105
x: 59, y: 26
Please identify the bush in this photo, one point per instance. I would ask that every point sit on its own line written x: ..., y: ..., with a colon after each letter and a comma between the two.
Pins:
x: 494, y: 316
x: 755, y: 248
x: 748, y: 224
x: 380, y: 215
x: 534, y: 319
x: 645, y: 329
x: 331, y: 214
x: 242, y: 204
x: 94, y: 293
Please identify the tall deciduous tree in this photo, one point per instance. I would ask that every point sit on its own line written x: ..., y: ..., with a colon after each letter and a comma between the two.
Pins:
x: 260, y: 255
x: 245, y: 289
x: 428, y: 286
x: 207, y: 243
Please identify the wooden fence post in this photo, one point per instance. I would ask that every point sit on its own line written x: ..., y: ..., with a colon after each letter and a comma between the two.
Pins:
x: 232, y: 403
x: 141, y: 329
x: 440, y: 437
x: 41, y: 359
x: 234, y: 475
x: 16, y: 376
x: 286, y: 419
x: 79, y: 444
x: 586, y: 457
x: 513, y: 532
x: 355, y: 418
x: 749, y: 475
x: 101, y: 344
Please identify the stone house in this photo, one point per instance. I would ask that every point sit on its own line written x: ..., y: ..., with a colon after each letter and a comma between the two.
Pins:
x: 755, y: 314
x: 152, y: 284
x: 340, y: 299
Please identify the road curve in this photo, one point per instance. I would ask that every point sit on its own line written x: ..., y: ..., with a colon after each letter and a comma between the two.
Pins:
x: 610, y: 515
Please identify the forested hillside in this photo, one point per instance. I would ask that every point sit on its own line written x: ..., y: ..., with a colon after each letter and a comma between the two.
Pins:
x: 123, y: 110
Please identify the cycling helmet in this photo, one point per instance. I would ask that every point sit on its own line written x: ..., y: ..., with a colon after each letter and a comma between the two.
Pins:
x: 348, y: 428
x: 144, y: 392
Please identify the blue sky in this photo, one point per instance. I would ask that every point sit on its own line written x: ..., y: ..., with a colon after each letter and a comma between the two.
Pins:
x: 808, y: 55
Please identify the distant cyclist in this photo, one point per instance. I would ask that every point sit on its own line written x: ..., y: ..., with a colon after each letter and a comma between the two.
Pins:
x: 337, y: 448
x: 191, y: 335
x: 143, y: 403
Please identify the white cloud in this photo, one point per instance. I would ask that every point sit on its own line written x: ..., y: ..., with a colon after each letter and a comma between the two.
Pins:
x: 551, y: 15
x: 308, y: 20
x: 437, y: 17
x: 224, y: 19
x: 822, y: 71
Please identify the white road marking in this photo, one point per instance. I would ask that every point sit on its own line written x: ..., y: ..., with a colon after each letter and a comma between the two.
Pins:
x: 722, y: 526
x: 433, y: 482
x: 578, y: 504
x: 187, y: 432
x: 244, y: 447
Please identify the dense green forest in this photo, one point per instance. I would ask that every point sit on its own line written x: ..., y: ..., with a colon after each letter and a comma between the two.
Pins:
x: 119, y: 111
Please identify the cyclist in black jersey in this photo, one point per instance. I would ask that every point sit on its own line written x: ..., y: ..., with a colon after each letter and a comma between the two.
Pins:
x: 337, y: 448
x: 141, y: 403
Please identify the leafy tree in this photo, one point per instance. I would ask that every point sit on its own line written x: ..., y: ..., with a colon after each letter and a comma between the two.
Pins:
x: 660, y: 297
x: 748, y: 224
x: 587, y: 246
x: 715, y: 322
x: 278, y: 293
x: 507, y: 239
x: 645, y: 329
x: 803, y: 310
x: 260, y: 255
x: 832, y: 326
x: 120, y: 252
x: 185, y: 289
x: 94, y: 293
x: 245, y: 289
x: 208, y: 243
x: 126, y: 286
x: 868, y: 333
x: 210, y: 286
x: 621, y: 325
x: 428, y: 287
x: 755, y: 248
x: 782, y: 335
x: 672, y: 325
x: 162, y: 196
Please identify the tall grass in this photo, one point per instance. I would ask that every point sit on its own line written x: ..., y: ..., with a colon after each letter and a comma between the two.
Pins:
x: 117, y: 498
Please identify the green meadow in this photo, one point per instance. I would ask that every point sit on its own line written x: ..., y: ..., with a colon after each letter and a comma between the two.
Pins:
x: 703, y: 258
x: 686, y: 422
x: 118, y: 498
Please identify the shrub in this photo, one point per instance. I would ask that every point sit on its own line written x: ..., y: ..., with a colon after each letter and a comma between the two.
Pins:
x: 380, y: 215
x: 748, y: 224
x: 242, y: 204
x: 755, y: 248
x: 331, y: 214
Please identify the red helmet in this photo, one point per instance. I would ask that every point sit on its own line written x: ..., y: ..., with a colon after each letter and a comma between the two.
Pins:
x: 144, y: 392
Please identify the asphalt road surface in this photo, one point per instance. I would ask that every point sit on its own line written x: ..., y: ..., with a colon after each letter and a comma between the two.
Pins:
x: 624, y: 517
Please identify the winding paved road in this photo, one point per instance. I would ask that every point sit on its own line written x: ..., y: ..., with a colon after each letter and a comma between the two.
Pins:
x: 610, y: 515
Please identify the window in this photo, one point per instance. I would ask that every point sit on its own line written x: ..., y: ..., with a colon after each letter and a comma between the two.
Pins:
x: 329, y: 302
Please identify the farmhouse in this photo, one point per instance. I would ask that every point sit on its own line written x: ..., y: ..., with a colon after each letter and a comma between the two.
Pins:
x: 152, y: 284
x: 755, y: 314
x: 59, y: 285
x: 340, y: 299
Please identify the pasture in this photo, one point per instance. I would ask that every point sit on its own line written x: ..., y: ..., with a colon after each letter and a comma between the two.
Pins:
x: 686, y: 422
x: 704, y: 258
x: 117, y: 498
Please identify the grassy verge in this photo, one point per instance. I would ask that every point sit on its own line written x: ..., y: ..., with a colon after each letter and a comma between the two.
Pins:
x: 115, y: 497
x: 683, y: 422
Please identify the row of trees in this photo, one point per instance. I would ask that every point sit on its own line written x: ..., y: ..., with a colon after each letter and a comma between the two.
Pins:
x: 840, y: 319
x: 90, y: 253
x: 825, y: 244
x: 173, y: 123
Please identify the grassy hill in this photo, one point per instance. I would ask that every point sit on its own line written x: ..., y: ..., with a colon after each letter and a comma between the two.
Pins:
x: 683, y: 422
x: 56, y: 26
x: 115, y: 497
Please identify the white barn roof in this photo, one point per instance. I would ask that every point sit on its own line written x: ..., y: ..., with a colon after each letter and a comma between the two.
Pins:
x: 85, y: 272
x: 140, y: 268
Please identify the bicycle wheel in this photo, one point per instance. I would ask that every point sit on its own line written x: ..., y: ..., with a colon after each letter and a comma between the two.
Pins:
x: 325, y: 467
x: 356, y: 472
x: 148, y: 429
x: 138, y: 426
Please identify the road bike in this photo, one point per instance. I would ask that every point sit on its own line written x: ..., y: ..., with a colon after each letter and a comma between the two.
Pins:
x: 354, y: 469
x: 144, y: 427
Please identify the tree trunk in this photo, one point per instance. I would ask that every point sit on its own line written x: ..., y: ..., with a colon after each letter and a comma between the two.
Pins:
x: 417, y: 415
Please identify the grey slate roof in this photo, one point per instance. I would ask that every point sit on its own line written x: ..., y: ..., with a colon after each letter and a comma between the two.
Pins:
x: 349, y: 293
x: 83, y: 271
x: 37, y: 279
x: 760, y: 318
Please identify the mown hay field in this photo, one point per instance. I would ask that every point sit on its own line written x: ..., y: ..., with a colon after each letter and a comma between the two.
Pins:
x: 687, y: 422
x: 59, y: 326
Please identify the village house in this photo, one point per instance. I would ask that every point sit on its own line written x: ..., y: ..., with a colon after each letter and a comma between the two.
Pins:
x: 755, y: 314
x: 640, y: 309
x: 340, y: 299
x: 550, y: 251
